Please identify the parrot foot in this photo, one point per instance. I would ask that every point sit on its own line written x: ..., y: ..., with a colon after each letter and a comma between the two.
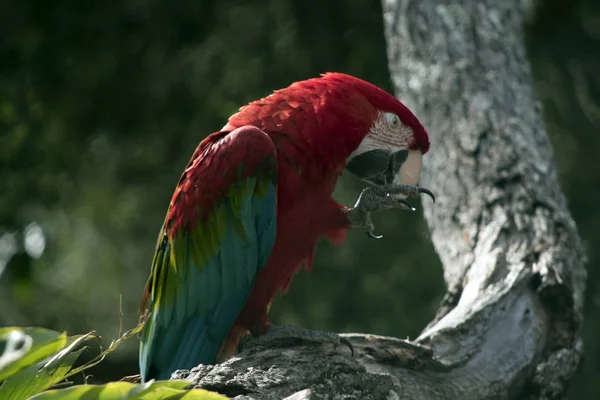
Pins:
x: 283, y: 332
x: 379, y: 198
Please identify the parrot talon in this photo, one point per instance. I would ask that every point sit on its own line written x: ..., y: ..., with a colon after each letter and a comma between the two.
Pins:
x: 346, y: 342
x: 379, y: 198
x: 406, y: 190
x: 374, y: 236
x: 428, y: 193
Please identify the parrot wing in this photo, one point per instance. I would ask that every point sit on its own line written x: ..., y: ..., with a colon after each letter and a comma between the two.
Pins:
x: 219, y: 232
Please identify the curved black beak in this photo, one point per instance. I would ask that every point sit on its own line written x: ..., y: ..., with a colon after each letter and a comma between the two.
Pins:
x: 377, y: 167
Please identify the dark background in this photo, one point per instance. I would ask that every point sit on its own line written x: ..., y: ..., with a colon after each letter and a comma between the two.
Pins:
x: 103, y: 102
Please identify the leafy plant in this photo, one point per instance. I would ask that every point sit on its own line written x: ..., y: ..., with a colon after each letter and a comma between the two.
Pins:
x: 37, y: 359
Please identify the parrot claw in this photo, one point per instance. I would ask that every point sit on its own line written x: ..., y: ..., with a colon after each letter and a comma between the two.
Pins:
x: 379, y: 198
x: 374, y: 236
x: 283, y: 332
x: 428, y: 193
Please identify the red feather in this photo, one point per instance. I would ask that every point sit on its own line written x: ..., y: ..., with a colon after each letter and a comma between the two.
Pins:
x: 202, y: 190
x: 315, y: 125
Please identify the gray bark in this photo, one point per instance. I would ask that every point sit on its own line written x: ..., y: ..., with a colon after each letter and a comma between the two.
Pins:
x: 513, y: 263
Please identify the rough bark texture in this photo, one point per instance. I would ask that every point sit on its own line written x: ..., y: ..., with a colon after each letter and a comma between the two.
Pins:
x: 513, y: 262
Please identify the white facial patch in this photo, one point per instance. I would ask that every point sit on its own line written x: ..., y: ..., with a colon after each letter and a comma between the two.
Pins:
x: 387, y: 133
x: 390, y: 132
x: 367, y: 144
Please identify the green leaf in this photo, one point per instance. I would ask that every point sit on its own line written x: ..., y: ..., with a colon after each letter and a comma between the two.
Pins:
x: 153, y: 390
x: 46, y: 373
x: 74, y: 343
x: 36, y: 359
x: 27, y: 346
x: 112, y: 347
x: 37, y: 378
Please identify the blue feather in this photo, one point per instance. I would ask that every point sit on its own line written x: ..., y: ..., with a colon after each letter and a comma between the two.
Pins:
x: 210, y: 297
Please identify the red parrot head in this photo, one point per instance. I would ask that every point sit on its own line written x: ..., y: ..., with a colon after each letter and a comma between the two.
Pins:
x: 344, y: 120
x: 392, y: 147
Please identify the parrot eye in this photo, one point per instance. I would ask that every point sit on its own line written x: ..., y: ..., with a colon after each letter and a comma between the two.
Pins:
x: 392, y: 120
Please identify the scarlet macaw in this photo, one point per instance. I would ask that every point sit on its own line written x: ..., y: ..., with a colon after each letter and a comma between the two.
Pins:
x: 252, y: 203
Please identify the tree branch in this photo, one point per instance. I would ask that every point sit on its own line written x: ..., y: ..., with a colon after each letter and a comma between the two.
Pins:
x: 501, y: 212
x: 513, y: 262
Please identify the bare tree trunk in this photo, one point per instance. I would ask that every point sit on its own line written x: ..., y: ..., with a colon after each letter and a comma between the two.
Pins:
x: 513, y: 263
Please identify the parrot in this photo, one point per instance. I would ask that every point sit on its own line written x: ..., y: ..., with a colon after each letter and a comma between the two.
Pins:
x: 252, y: 203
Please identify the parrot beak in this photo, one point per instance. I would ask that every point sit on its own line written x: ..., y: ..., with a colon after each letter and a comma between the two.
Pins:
x: 379, y: 167
x: 409, y: 171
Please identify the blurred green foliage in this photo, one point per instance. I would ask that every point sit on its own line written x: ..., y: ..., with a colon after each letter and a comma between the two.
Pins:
x: 34, y: 360
x: 103, y: 103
